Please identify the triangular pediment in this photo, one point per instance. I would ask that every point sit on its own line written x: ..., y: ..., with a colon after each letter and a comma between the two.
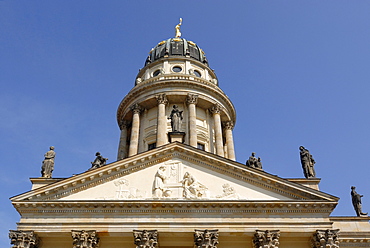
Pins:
x: 174, y: 172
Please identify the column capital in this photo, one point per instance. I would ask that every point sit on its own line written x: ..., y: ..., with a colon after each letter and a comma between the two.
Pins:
x: 266, y: 239
x: 326, y: 238
x: 145, y: 238
x: 161, y: 99
x: 85, y: 239
x: 124, y: 124
x: 136, y: 108
x: 205, y: 238
x: 23, y: 239
x: 192, y: 99
x: 216, y: 109
x: 229, y: 125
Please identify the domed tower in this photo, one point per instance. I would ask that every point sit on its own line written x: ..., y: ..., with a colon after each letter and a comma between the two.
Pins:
x: 176, y: 97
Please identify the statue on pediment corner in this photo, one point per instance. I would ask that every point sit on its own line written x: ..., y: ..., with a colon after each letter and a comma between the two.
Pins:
x: 307, y: 162
x: 99, y: 161
x: 48, y: 163
x: 356, y: 202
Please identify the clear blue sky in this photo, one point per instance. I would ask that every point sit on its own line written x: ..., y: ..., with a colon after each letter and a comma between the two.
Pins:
x: 298, y: 73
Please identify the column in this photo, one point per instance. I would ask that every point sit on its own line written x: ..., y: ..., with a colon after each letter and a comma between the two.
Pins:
x: 134, y: 140
x: 192, y: 100
x: 229, y: 125
x: 122, y: 148
x: 216, y: 110
x: 206, y: 238
x: 161, y: 120
x: 145, y: 238
x: 85, y: 239
x: 325, y: 238
x: 266, y: 239
x: 23, y: 239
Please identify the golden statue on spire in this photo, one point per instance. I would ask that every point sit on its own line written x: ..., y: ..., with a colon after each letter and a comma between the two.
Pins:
x: 177, y: 28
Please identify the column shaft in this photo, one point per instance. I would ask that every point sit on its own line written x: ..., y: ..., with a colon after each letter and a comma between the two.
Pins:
x: 122, y: 148
x: 161, y: 120
x: 218, y: 130
x: 134, y: 141
x: 229, y: 140
x: 192, y: 101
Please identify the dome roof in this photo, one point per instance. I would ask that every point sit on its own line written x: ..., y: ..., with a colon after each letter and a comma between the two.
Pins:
x: 176, y: 47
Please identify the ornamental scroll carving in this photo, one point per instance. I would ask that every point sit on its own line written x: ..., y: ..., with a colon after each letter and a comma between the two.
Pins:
x: 326, y: 239
x: 85, y: 239
x: 161, y: 99
x: 216, y: 109
x: 136, y: 108
x: 266, y: 239
x: 145, y: 238
x: 192, y: 99
x: 205, y: 238
x: 23, y: 239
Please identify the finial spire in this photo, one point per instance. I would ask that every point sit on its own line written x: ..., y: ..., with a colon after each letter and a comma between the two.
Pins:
x: 177, y: 29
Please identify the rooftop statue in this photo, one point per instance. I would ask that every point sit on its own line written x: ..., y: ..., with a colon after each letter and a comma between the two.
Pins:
x: 48, y: 163
x: 99, y: 161
x: 176, y: 117
x: 356, y: 201
x: 307, y: 162
x: 177, y: 29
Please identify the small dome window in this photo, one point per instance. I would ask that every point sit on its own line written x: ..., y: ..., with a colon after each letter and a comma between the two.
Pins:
x: 197, y: 73
x: 156, y: 73
x: 176, y: 69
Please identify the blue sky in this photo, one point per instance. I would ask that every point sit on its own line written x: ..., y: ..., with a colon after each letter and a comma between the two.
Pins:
x: 296, y: 71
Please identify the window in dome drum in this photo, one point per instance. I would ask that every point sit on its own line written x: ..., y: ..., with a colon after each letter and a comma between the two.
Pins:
x: 194, y: 53
x: 177, y: 48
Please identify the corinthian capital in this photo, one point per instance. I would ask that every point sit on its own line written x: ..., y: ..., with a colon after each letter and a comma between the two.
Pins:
x: 145, y: 238
x: 85, y: 239
x: 216, y: 109
x: 23, y: 239
x: 325, y: 239
x: 161, y: 98
x: 266, y: 239
x: 205, y: 238
x: 124, y: 124
x: 229, y: 125
x: 136, y: 108
x: 192, y: 99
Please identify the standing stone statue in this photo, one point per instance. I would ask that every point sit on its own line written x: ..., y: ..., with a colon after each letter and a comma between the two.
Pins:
x: 259, y: 163
x: 176, y: 117
x: 48, y: 163
x: 158, y: 184
x: 307, y: 162
x: 99, y: 161
x: 356, y: 201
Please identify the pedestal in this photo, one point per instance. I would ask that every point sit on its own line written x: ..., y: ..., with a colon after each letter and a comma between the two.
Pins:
x: 176, y: 137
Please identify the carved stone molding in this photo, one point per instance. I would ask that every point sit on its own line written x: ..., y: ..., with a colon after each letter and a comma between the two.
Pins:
x: 23, y: 239
x: 326, y: 239
x: 266, y: 239
x: 161, y: 99
x: 216, y: 109
x: 145, y: 238
x: 229, y: 125
x: 206, y: 238
x: 85, y: 239
x: 192, y: 99
x: 136, y: 108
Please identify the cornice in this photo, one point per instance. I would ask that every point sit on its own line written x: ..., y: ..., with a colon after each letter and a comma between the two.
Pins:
x: 92, y: 178
x: 187, y: 82
x: 176, y: 207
